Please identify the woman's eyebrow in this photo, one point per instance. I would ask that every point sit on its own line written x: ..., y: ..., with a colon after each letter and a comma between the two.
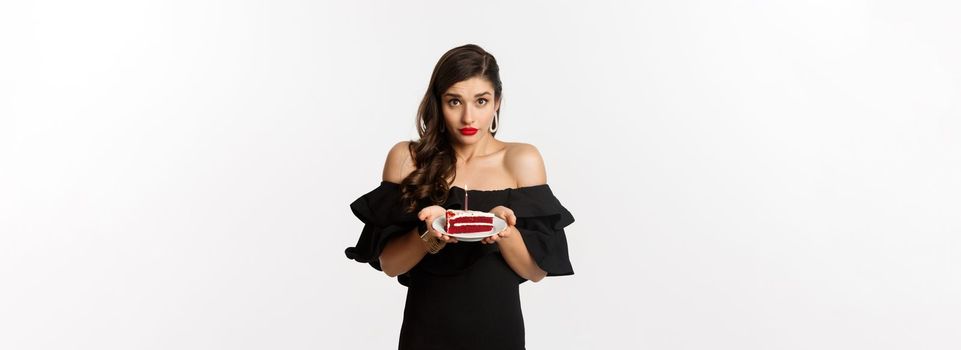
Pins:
x: 478, y: 95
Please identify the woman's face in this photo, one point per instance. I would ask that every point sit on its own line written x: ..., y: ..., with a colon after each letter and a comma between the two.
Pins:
x: 469, y: 108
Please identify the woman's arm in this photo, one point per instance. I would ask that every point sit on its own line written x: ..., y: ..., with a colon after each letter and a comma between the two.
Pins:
x: 524, y: 161
x: 402, y: 252
x: 518, y: 258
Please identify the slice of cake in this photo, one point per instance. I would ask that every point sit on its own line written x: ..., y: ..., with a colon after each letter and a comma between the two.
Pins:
x: 469, y: 221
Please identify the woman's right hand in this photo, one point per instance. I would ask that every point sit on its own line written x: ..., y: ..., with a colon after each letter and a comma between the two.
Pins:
x: 428, y: 215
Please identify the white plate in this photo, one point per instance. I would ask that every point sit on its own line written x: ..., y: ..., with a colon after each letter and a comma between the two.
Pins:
x: 441, y: 222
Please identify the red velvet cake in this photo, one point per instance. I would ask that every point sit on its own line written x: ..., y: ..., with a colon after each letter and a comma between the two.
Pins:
x: 469, y: 221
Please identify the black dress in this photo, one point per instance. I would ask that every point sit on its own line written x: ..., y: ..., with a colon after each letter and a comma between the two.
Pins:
x: 465, y: 296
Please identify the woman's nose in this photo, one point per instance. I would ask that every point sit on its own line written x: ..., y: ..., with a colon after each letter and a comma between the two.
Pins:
x: 468, y: 117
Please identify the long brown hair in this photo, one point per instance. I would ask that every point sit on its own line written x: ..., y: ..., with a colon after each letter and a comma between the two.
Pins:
x: 433, y: 154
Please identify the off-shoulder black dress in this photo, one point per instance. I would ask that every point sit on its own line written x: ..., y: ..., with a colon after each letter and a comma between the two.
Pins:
x: 465, y: 296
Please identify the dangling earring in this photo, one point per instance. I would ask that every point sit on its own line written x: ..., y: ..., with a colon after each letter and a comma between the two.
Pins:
x: 495, y: 124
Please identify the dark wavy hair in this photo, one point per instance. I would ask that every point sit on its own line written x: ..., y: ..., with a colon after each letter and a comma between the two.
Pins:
x: 433, y: 154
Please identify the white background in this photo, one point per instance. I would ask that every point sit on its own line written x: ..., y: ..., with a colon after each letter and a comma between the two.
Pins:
x: 744, y: 174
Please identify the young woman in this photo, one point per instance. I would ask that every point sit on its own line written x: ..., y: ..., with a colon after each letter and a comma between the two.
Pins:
x: 462, y: 295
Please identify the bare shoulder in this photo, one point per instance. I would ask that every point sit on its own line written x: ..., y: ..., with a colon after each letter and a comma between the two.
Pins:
x: 525, y: 163
x: 399, y: 163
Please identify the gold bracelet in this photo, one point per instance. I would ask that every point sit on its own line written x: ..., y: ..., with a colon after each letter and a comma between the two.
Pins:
x: 434, y: 244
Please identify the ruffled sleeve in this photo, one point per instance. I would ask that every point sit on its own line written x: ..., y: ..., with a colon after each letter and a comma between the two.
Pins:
x: 541, y: 220
x: 383, y: 216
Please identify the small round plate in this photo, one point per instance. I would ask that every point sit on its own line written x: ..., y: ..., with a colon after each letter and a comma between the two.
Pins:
x: 441, y: 222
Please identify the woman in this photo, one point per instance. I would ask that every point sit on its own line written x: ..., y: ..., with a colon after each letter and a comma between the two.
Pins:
x: 462, y: 295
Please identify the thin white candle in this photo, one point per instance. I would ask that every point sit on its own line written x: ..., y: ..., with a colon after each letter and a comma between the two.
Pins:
x: 465, y: 196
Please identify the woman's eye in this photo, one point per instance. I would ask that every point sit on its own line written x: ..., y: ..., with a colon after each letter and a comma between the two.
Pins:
x: 451, y: 102
x: 484, y: 100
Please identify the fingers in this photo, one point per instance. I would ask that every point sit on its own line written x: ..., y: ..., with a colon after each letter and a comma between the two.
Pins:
x: 448, y: 239
x: 492, y: 239
x: 506, y: 214
x: 509, y: 231
x: 501, y: 235
x: 443, y: 237
x: 431, y: 212
x: 437, y: 210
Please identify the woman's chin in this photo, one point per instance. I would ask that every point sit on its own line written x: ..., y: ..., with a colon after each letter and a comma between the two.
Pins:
x: 468, y: 139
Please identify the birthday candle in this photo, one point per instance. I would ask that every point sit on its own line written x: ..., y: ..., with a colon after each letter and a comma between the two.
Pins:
x: 465, y: 196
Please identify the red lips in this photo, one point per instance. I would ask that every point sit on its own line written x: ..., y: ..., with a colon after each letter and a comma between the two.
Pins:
x: 468, y: 131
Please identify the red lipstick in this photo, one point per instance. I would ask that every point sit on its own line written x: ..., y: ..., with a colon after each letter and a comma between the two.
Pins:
x: 468, y: 131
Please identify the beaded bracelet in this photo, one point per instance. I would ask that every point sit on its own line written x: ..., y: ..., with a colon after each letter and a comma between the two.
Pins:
x: 434, y: 244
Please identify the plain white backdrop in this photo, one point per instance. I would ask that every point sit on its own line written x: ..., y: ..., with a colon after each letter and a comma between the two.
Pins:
x: 744, y: 174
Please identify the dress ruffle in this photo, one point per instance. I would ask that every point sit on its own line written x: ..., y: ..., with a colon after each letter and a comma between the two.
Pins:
x: 381, y: 212
x: 541, y: 220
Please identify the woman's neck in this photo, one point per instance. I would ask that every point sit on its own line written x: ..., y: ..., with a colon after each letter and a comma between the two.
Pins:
x: 483, y: 147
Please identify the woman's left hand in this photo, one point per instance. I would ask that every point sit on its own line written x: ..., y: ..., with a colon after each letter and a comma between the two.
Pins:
x: 507, y: 215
